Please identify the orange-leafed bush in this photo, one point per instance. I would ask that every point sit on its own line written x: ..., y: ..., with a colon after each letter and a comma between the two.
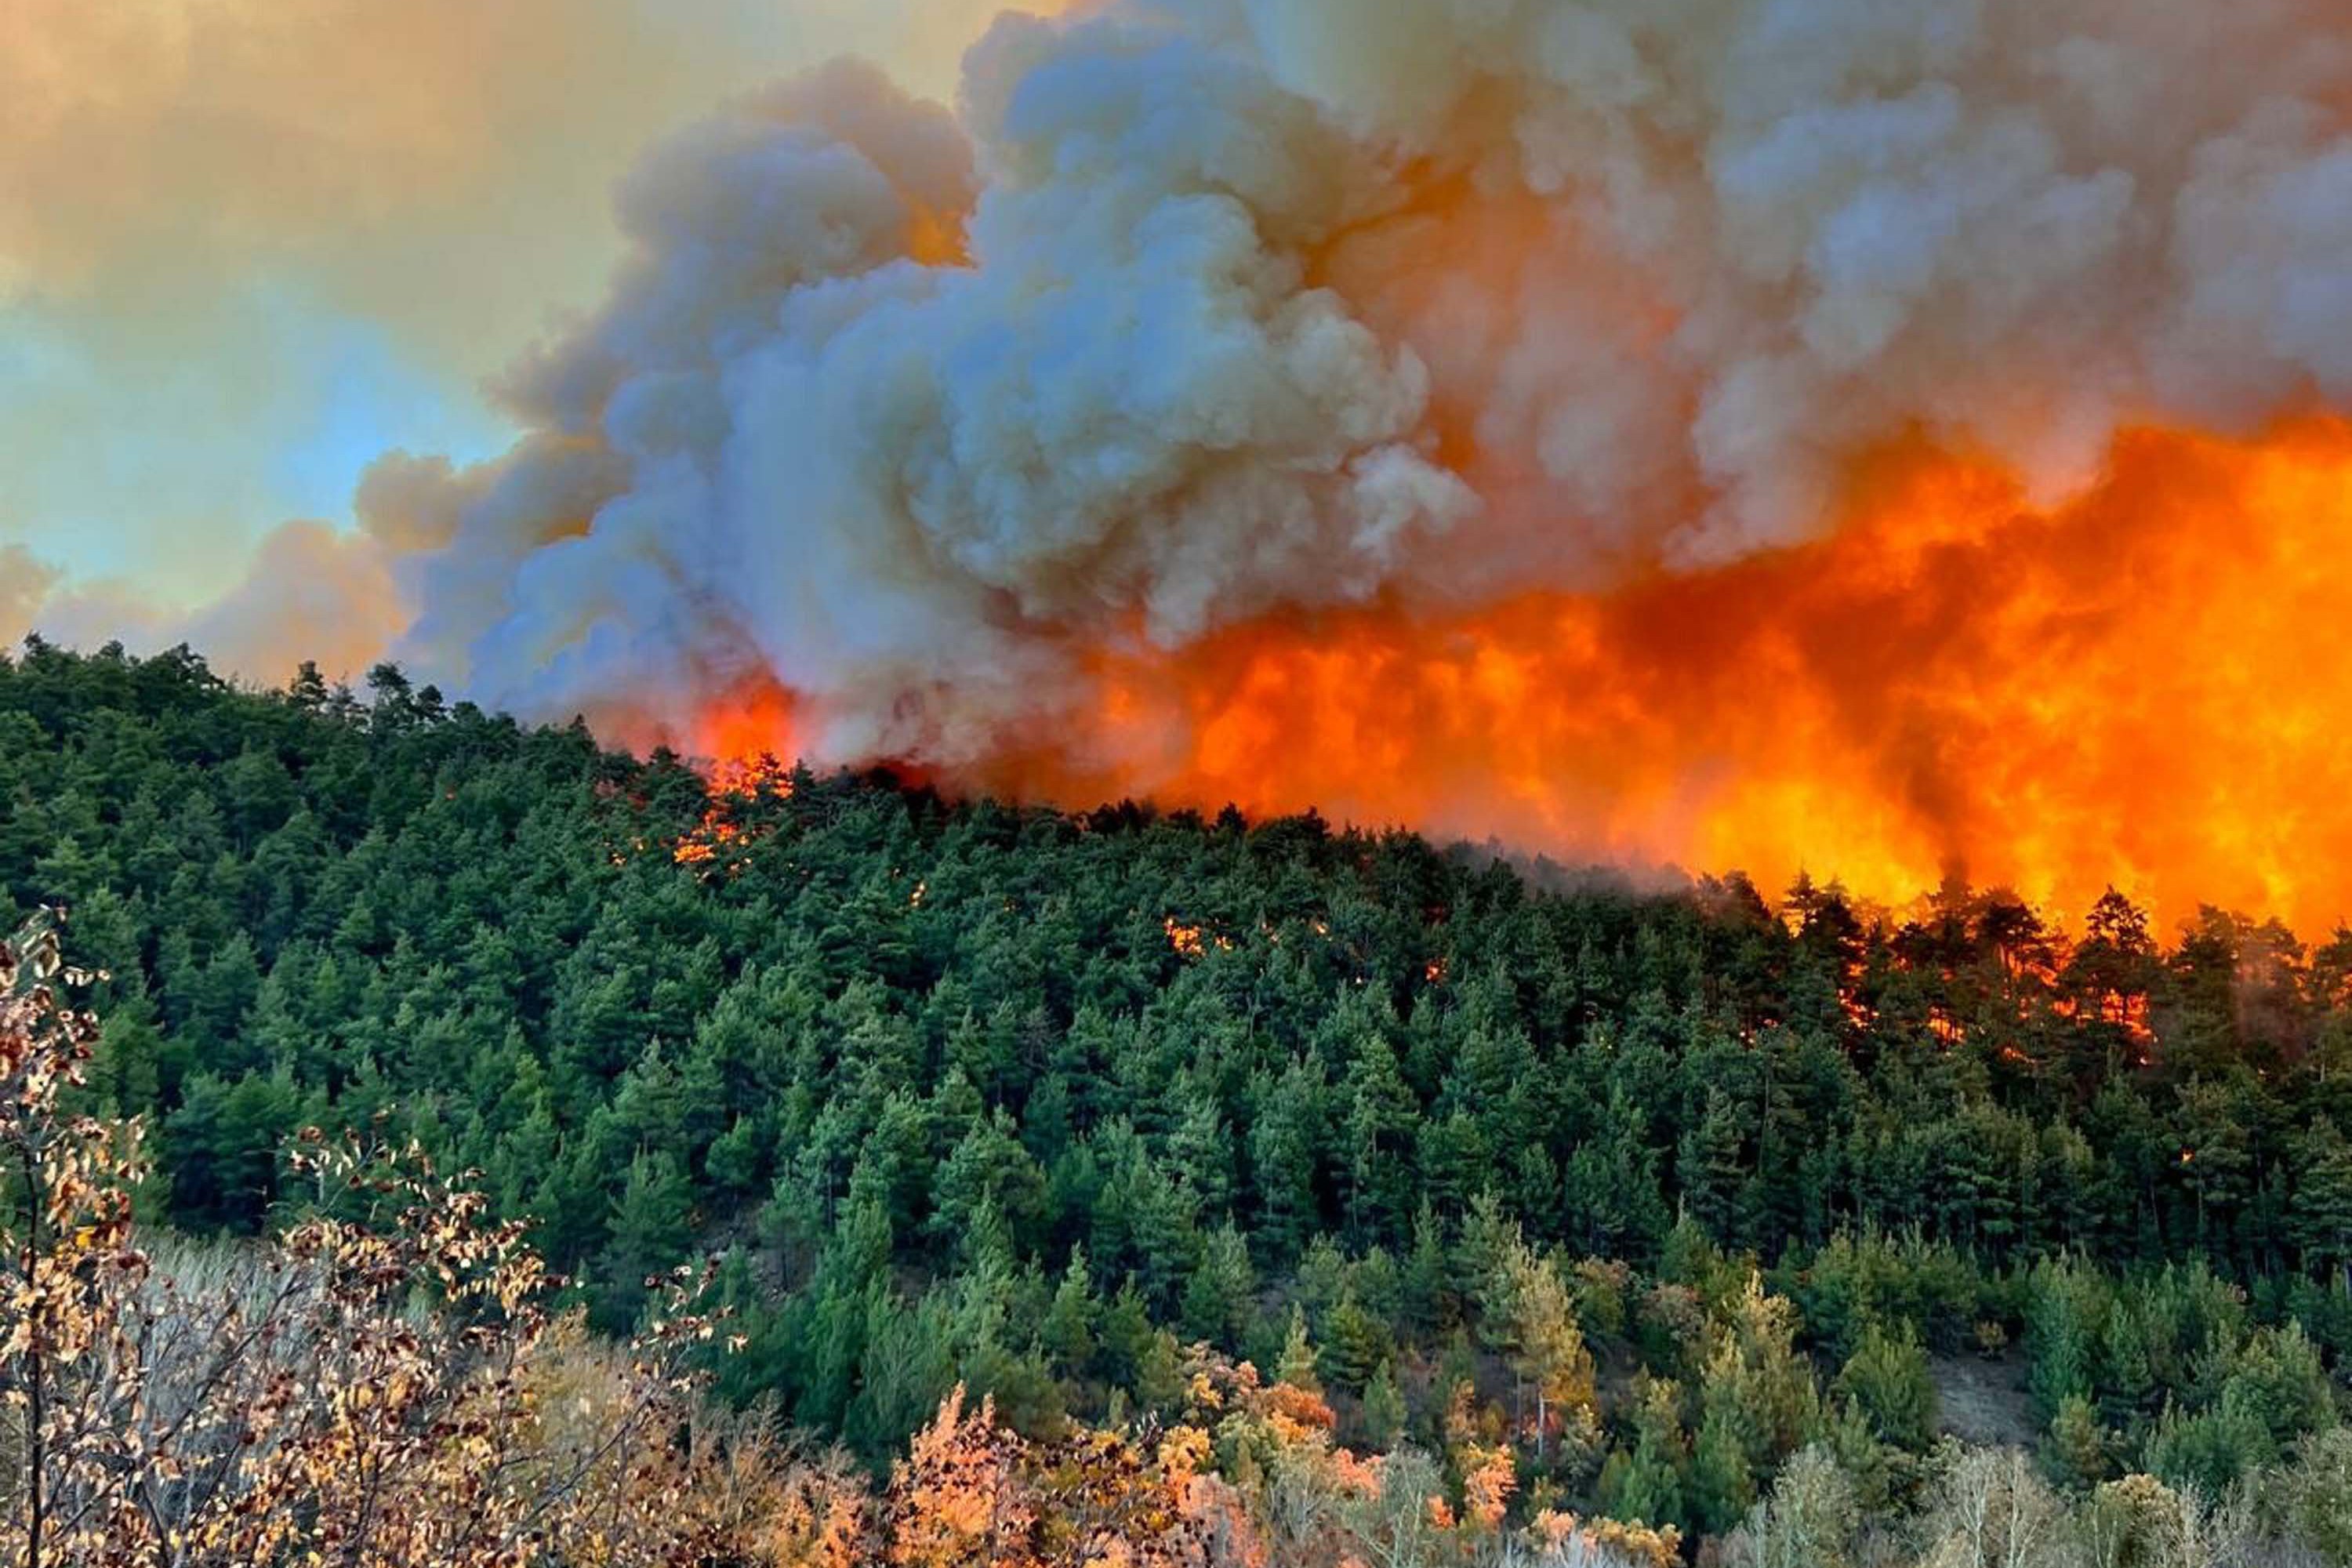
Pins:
x: 971, y: 1491
x: 1570, y: 1540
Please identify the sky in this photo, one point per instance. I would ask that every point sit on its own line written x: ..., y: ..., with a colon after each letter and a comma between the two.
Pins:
x: 247, y: 246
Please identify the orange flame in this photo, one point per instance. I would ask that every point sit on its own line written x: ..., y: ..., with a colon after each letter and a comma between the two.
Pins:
x: 2149, y: 687
x: 1188, y: 941
x: 747, y: 738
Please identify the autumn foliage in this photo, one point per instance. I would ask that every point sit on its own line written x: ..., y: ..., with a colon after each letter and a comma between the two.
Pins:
x: 384, y: 1384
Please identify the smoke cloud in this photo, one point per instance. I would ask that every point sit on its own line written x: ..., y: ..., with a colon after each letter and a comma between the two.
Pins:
x: 1210, y: 308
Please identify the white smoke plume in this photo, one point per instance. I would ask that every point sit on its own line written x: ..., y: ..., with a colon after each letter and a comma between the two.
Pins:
x: 1201, y: 310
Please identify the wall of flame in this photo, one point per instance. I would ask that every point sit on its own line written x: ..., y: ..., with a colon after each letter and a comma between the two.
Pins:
x: 2147, y: 688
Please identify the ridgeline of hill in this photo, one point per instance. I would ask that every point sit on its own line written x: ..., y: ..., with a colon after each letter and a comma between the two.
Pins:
x: 1030, y: 1100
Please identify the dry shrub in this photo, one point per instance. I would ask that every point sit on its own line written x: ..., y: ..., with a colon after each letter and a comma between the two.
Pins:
x: 380, y: 1387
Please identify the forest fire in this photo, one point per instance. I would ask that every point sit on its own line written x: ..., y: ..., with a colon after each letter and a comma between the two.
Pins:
x: 712, y: 843
x: 2138, y: 688
x: 1707, y: 438
x: 1617, y: 729
x: 1887, y: 453
x: 1189, y: 941
x: 743, y: 738
x: 2141, y: 687
x: 721, y: 841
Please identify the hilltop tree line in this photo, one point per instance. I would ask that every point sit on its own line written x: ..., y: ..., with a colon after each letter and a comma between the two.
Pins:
x: 1687, y: 1204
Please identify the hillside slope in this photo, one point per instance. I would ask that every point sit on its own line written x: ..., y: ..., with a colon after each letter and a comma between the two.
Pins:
x: 1030, y: 1100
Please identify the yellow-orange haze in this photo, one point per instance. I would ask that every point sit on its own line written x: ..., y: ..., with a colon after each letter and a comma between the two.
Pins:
x: 2149, y: 687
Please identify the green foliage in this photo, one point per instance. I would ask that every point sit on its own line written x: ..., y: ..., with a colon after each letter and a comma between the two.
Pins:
x: 1384, y: 1410
x: 1297, y: 1365
x: 1887, y: 1379
x: 2276, y: 1377
x: 2314, y: 1497
x: 2063, y: 1323
x: 2212, y: 1449
x: 1355, y: 1344
x: 1219, y: 1300
x: 1722, y: 1479
x: 1643, y: 1483
x: 2077, y: 1452
x: 1067, y: 1333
